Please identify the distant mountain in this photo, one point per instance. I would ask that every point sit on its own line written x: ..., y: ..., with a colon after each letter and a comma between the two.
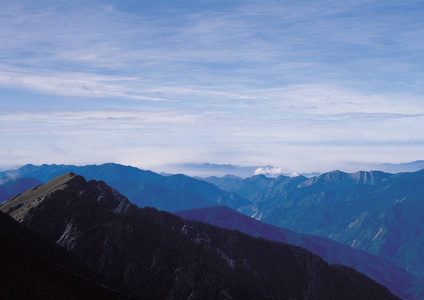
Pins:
x: 219, y: 170
x: 208, y: 169
x: 143, y: 187
x: 256, y: 188
x: 378, y: 212
x: 403, y: 167
x: 396, y: 279
x: 216, y: 170
x: 9, y: 187
x: 148, y: 195
x: 157, y: 255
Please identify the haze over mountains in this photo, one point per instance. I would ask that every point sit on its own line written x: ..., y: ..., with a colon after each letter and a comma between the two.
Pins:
x: 376, y: 212
x: 220, y: 170
x: 155, y: 255
x: 9, y: 187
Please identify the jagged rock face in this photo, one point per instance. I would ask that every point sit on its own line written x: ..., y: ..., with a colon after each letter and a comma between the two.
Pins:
x: 34, y: 268
x: 72, y: 206
x: 156, y: 255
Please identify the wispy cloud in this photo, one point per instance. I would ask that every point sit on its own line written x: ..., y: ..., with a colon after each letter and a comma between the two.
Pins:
x: 267, y: 44
x: 221, y: 81
x: 77, y: 84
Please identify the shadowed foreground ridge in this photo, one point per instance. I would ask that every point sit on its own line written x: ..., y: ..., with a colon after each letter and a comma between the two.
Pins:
x: 156, y: 255
x: 384, y: 272
x: 34, y: 268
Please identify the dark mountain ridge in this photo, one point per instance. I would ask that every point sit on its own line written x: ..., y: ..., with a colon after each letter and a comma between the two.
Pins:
x: 395, y: 278
x: 32, y: 267
x: 157, y: 255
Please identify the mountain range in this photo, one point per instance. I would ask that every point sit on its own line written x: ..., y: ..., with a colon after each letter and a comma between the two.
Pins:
x: 376, y: 212
x: 220, y: 170
x: 148, y: 254
x: 143, y: 188
x: 395, y: 278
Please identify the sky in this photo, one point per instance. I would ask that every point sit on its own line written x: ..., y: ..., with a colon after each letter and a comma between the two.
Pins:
x: 304, y: 86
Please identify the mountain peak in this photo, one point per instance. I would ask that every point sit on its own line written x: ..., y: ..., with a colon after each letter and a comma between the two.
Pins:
x: 64, y: 188
x: 20, y: 205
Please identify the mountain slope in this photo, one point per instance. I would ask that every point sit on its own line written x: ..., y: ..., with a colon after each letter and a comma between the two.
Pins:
x: 148, y: 195
x: 157, y: 255
x: 33, y: 268
x: 256, y: 188
x: 371, y: 211
x: 396, y: 279
x: 129, y: 181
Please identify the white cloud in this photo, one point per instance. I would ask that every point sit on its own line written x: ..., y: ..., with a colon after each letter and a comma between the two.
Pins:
x: 9, y: 176
x: 270, y: 171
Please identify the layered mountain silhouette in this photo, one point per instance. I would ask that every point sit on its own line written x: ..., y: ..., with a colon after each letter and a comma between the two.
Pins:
x: 378, y: 212
x: 144, y: 188
x: 156, y: 255
x: 372, y: 211
x: 399, y: 281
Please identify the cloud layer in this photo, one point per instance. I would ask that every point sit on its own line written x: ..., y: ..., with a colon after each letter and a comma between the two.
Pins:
x: 303, y: 85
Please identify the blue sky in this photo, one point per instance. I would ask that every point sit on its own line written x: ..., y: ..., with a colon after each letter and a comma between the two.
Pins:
x: 301, y: 85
